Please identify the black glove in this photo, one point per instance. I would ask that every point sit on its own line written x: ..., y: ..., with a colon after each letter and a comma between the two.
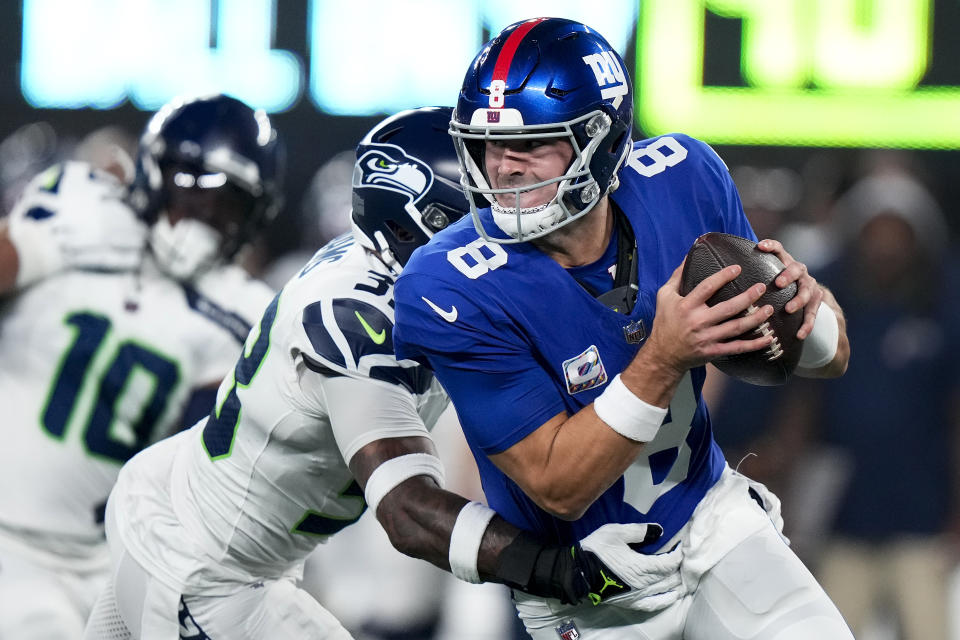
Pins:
x: 568, y: 573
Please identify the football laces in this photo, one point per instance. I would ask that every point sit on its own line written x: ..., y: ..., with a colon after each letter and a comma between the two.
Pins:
x: 775, y: 350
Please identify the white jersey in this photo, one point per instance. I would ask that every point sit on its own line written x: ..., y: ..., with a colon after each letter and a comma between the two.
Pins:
x: 96, y: 365
x: 249, y: 492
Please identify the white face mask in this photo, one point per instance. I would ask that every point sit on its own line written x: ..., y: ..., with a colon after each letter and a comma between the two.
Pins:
x: 186, y: 249
x: 531, y: 221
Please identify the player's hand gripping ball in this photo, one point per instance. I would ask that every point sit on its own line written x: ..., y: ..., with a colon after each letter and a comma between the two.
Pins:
x: 712, y: 252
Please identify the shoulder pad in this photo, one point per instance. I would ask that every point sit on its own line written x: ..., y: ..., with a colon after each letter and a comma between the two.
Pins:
x: 346, y: 314
x: 670, y: 148
x: 332, y: 252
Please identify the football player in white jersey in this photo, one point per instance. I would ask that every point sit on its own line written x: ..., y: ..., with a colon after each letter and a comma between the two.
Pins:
x: 121, y: 307
x: 209, y: 529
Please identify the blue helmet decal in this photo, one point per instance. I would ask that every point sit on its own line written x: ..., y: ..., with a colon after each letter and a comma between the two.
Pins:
x: 388, y: 167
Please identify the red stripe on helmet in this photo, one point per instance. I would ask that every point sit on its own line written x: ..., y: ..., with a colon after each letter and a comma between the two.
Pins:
x: 502, y: 68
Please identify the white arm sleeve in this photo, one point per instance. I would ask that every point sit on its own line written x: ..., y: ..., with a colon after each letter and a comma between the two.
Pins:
x: 394, y: 471
x: 820, y: 346
x: 465, y: 539
x: 363, y: 410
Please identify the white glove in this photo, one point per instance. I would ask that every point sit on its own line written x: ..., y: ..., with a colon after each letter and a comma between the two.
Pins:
x: 654, y: 580
x: 83, y: 225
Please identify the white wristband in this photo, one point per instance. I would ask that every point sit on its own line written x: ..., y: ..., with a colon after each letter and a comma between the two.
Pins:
x: 627, y: 414
x: 395, y: 470
x: 820, y: 346
x: 465, y: 540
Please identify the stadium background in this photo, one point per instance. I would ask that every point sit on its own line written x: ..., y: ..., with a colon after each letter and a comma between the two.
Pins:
x: 329, y: 70
x: 104, y: 52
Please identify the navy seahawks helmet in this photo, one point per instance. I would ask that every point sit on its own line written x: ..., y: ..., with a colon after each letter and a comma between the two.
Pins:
x: 406, y: 183
x: 215, y: 158
x: 546, y: 78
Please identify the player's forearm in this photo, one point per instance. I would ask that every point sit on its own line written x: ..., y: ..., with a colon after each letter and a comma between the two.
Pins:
x: 650, y: 377
x: 566, y: 464
x: 419, y: 518
x: 593, y: 448
x: 423, y: 521
x: 416, y: 513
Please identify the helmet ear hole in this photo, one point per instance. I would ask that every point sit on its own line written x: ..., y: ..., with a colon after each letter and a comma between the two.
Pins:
x: 436, y: 216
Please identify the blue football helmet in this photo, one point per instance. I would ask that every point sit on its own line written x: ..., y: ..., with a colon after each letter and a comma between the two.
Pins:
x: 209, y: 174
x: 545, y: 78
x: 406, y: 184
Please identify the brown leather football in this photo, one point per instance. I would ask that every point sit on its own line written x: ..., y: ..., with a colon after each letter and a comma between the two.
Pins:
x: 712, y: 252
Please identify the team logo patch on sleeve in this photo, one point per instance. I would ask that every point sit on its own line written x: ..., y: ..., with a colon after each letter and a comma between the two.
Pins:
x: 584, y: 371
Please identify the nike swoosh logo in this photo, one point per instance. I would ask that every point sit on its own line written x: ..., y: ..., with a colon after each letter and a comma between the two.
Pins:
x: 449, y: 316
x: 378, y: 338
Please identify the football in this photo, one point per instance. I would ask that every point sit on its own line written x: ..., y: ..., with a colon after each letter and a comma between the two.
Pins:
x: 714, y: 251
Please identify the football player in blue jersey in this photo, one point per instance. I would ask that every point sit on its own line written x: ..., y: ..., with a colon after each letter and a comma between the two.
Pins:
x: 553, y: 319
x: 210, y: 528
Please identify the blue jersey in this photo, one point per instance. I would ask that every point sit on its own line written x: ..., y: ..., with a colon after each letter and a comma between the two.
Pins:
x: 516, y: 340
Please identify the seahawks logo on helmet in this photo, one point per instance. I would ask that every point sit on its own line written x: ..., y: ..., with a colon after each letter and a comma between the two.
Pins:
x: 387, y: 166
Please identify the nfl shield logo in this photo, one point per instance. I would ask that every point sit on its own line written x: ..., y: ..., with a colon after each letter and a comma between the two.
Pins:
x: 568, y: 631
x: 493, y: 116
x: 635, y: 332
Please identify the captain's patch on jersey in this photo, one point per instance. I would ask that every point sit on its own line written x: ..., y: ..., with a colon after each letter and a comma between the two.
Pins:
x: 584, y: 371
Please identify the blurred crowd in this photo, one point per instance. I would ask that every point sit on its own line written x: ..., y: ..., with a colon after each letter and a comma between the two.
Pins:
x: 866, y: 465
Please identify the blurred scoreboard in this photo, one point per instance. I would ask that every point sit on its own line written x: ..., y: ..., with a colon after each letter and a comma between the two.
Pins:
x: 851, y: 73
x: 767, y: 72
x: 362, y: 57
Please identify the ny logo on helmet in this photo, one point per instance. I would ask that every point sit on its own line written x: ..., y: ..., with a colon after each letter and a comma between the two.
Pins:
x: 609, y: 74
x: 387, y: 166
